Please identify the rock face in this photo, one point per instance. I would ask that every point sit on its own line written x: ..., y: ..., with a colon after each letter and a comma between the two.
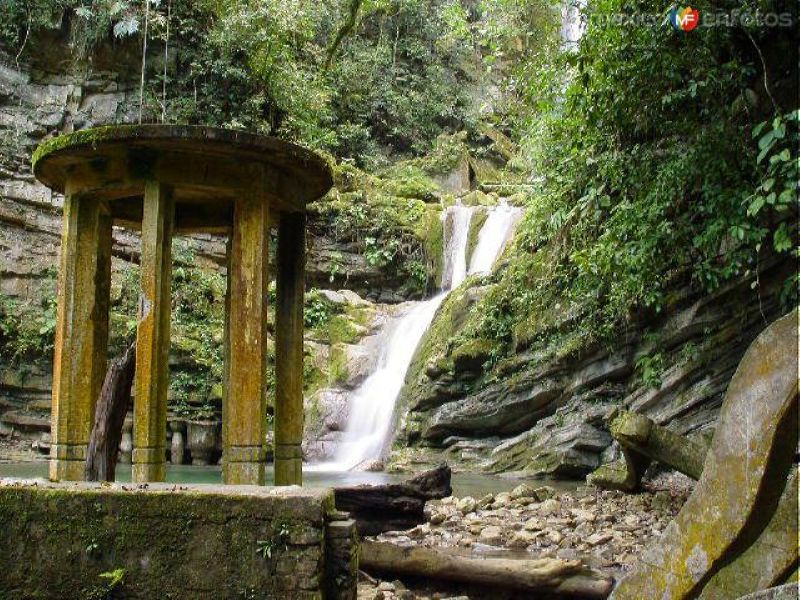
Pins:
x: 736, y: 533
x: 544, y: 410
x: 44, y: 99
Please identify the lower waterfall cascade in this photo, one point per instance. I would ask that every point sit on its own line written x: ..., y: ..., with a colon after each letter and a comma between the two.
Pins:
x: 372, y: 404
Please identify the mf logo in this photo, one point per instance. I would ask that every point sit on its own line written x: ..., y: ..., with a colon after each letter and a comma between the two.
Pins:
x: 684, y: 19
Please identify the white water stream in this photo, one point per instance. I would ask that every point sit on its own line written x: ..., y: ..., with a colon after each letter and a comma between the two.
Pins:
x: 372, y: 403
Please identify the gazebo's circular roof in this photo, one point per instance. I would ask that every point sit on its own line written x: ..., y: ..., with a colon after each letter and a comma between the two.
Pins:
x: 206, y: 167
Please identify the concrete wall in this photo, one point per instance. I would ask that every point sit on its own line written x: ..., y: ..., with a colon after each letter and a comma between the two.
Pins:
x: 198, y: 541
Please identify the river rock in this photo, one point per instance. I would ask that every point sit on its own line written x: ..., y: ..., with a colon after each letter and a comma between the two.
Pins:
x: 502, y: 499
x: 555, y: 537
x: 522, y: 539
x: 543, y: 493
x: 491, y: 535
x: 437, y: 518
x: 485, y: 502
x: 466, y: 505
x: 523, y: 491
x: 550, y: 507
x: 598, y: 538
x: 534, y: 524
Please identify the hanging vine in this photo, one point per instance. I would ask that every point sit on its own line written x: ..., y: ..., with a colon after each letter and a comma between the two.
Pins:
x: 144, y: 57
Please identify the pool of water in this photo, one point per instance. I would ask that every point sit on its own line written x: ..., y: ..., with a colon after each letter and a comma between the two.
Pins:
x: 464, y: 484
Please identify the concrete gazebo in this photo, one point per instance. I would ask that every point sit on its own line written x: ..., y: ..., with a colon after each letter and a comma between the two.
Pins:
x: 166, y: 179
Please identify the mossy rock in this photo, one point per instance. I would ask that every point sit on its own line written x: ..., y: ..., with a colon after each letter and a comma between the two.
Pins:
x: 408, y: 181
x: 471, y: 355
x: 479, y: 198
x: 349, y: 178
x: 434, y: 348
x: 431, y: 230
x: 447, y: 152
x: 476, y: 223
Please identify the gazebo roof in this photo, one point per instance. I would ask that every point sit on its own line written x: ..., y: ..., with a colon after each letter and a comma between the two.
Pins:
x: 206, y: 167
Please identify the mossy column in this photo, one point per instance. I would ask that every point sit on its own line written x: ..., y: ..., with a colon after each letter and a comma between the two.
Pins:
x: 81, y: 332
x: 152, y: 341
x: 289, y: 349
x: 245, y: 410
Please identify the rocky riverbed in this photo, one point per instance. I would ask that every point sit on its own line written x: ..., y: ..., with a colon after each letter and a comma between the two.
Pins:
x: 606, y: 530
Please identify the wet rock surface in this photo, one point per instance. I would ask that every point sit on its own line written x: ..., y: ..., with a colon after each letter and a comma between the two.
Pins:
x: 606, y: 530
x: 546, y: 409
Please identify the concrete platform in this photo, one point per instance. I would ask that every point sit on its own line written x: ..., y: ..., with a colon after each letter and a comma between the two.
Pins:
x: 81, y: 540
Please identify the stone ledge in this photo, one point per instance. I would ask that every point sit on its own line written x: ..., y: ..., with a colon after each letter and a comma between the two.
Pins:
x: 198, y: 541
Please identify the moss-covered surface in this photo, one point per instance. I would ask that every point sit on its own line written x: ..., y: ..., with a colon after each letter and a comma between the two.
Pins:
x: 432, y: 354
x: 199, y: 542
x: 475, y: 224
x: 161, y: 137
x: 389, y: 221
x: 471, y: 355
x: 84, y: 137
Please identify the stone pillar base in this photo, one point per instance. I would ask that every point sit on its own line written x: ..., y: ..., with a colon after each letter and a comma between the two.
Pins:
x: 149, y: 464
x: 68, y: 462
x: 243, y: 473
x: 67, y: 470
x: 244, y: 465
x: 288, y: 464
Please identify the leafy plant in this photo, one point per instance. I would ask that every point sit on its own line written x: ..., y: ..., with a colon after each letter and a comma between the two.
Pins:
x: 650, y: 367
x: 278, y: 541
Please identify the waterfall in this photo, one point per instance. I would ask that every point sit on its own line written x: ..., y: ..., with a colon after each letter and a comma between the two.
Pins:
x: 455, y: 246
x: 493, y: 237
x: 372, y: 403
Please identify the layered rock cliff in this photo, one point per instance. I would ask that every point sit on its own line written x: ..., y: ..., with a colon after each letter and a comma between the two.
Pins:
x: 544, y: 410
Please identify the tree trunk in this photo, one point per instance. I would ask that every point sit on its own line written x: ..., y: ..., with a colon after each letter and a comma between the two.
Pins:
x: 544, y: 576
x: 112, y: 406
x: 393, y: 506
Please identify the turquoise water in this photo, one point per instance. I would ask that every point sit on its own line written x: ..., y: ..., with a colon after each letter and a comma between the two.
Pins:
x: 464, y: 484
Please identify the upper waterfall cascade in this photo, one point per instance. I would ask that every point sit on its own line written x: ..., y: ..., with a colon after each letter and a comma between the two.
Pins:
x: 372, y: 404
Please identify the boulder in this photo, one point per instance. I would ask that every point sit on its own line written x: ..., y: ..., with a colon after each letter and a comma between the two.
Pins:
x: 734, y: 520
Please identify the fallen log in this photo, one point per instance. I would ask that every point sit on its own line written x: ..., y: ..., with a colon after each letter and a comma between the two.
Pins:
x: 112, y: 406
x: 642, y: 441
x: 548, y: 576
x: 393, y: 506
x: 643, y: 435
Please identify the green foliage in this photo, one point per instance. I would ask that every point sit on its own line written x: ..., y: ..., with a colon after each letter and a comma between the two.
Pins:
x: 651, y: 179
x: 112, y: 581
x: 337, y: 367
x: 316, y: 311
x: 27, y: 332
x: 369, y: 81
x: 198, y: 302
x: 392, y: 232
x: 774, y: 201
x: 278, y: 541
x: 19, y: 17
x: 649, y: 369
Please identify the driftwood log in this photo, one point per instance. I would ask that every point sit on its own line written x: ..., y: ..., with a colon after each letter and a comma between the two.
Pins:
x: 643, y: 440
x: 544, y: 576
x: 393, y: 506
x: 112, y: 406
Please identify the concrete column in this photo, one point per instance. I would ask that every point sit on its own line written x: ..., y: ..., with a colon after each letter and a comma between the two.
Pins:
x: 245, y: 401
x: 289, y: 349
x: 152, y: 336
x: 81, y: 343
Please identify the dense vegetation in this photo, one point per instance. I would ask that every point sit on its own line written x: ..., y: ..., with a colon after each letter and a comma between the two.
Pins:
x: 665, y: 158
x: 364, y: 79
x: 655, y: 158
